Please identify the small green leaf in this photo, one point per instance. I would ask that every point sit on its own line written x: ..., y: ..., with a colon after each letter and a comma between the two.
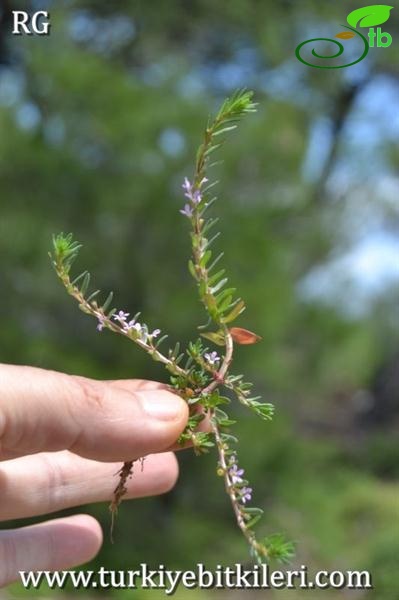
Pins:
x: 252, y: 516
x: 217, y: 276
x: 252, y: 511
x: 215, y: 399
x: 237, y: 310
x: 216, y: 261
x: 205, y: 258
x: 78, y: 278
x: 263, y: 410
x: 213, y: 148
x: 210, y: 242
x: 160, y: 340
x: 202, y: 288
x: 225, y: 130
x: 107, y: 302
x: 369, y: 16
x: 253, y: 521
x: 191, y: 268
x: 85, y: 284
x: 222, y: 418
x: 195, y: 420
x: 219, y: 285
x: 220, y: 297
x: 93, y: 295
x: 217, y: 337
x: 226, y: 422
x: 220, y: 414
x: 226, y: 304
x: 228, y: 438
x: 210, y: 304
x: 176, y: 350
x: 211, y: 222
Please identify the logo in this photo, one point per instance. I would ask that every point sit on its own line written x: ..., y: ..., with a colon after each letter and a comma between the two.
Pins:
x: 37, y: 24
x: 367, y: 17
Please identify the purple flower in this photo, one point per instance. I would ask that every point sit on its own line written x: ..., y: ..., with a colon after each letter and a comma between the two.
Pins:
x: 131, y: 325
x: 192, y: 194
x: 187, y: 186
x: 196, y: 197
x: 121, y: 317
x: 187, y: 211
x: 155, y: 333
x: 236, y: 473
x: 101, y: 321
x: 212, y: 358
x: 246, y: 494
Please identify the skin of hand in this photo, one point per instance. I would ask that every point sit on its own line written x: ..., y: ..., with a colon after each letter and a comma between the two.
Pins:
x: 62, y: 439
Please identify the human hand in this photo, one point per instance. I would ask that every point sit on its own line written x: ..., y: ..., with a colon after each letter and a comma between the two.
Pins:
x: 62, y: 438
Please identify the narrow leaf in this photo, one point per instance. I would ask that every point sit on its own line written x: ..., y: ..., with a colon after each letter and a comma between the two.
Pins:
x: 205, y: 258
x: 210, y: 242
x: 225, y: 130
x: 108, y: 301
x: 211, y: 149
x: 191, y: 268
x: 85, y: 284
x: 227, y: 292
x: 217, y: 337
x: 215, y: 261
x: 217, y: 276
x: 78, y: 278
x: 219, y: 285
x: 93, y: 295
x: 225, y: 305
x: 237, y: 310
x: 209, y: 224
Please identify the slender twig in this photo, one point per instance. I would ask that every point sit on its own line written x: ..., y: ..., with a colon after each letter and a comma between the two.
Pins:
x: 199, y: 381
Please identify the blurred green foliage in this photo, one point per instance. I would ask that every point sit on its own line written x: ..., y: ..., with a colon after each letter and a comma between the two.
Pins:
x: 100, y: 123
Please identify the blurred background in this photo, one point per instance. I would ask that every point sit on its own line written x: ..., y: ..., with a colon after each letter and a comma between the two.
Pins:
x: 99, y: 124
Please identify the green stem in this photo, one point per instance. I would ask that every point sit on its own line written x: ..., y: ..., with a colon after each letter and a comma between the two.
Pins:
x: 99, y: 314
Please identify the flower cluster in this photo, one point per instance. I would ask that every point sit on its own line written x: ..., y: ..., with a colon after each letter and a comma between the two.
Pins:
x: 236, y: 477
x: 121, y: 317
x: 193, y: 194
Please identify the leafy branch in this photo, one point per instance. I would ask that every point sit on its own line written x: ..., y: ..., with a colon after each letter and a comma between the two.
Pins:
x: 204, y: 374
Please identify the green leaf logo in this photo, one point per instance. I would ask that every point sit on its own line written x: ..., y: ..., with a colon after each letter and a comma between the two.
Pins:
x: 369, y: 16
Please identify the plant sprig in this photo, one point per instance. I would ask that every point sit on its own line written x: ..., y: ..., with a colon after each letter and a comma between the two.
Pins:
x: 204, y: 374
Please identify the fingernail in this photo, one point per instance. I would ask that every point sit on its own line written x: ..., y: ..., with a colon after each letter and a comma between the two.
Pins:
x: 162, y: 405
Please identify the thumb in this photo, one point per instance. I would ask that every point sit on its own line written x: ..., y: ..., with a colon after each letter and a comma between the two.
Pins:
x: 48, y: 411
